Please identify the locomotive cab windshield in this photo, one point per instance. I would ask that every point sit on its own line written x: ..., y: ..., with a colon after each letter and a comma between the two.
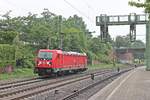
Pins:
x: 45, y: 55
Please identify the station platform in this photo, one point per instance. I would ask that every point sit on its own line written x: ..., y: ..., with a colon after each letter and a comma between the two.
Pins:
x: 133, y: 85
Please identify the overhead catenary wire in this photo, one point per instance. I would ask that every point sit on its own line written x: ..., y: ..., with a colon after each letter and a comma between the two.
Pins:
x: 71, y: 5
x: 14, y: 5
x: 89, y: 6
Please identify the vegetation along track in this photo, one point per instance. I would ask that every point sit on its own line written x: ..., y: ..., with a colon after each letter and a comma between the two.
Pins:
x: 27, y: 91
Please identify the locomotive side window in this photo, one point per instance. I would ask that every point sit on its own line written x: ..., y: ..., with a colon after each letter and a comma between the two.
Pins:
x: 45, y: 55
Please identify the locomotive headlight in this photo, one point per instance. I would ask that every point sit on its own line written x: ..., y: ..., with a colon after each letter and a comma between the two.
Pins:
x: 47, y: 63
x: 39, y: 63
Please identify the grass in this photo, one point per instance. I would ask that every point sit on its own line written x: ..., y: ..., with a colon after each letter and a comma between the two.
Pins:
x: 18, y: 73
x: 103, y: 65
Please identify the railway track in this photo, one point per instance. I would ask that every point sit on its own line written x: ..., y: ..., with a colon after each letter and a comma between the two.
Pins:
x: 69, y: 89
x: 27, y: 91
x: 11, y: 84
x: 19, y: 83
x: 84, y: 89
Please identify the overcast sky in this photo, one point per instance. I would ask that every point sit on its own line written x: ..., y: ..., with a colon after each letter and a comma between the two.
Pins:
x: 87, y: 9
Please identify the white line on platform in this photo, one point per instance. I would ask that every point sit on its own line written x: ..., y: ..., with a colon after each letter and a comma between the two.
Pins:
x: 111, y: 94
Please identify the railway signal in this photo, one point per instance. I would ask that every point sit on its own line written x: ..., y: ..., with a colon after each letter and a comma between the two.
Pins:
x: 132, y: 19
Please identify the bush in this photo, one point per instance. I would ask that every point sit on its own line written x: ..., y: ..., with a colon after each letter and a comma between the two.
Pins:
x: 7, y: 55
x: 7, y: 52
x: 24, y: 57
x: 4, y: 63
x: 104, y: 58
x: 29, y: 63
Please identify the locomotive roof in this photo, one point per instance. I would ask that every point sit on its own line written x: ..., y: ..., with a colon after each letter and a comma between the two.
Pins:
x: 74, y: 53
x: 64, y: 52
x: 49, y: 50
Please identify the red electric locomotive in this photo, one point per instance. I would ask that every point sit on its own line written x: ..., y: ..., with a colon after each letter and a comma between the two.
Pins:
x: 59, y: 62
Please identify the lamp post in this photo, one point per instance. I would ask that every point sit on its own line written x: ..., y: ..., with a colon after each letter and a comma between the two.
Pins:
x: 113, y: 46
x: 148, y: 46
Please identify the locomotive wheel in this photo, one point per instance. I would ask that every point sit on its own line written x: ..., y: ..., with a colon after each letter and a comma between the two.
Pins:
x: 42, y: 72
x: 60, y: 73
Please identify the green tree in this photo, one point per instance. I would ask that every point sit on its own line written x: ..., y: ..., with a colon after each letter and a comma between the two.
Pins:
x: 145, y: 4
x: 75, y: 33
x: 137, y: 44
x: 32, y: 32
x: 7, y: 37
x: 124, y: 41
